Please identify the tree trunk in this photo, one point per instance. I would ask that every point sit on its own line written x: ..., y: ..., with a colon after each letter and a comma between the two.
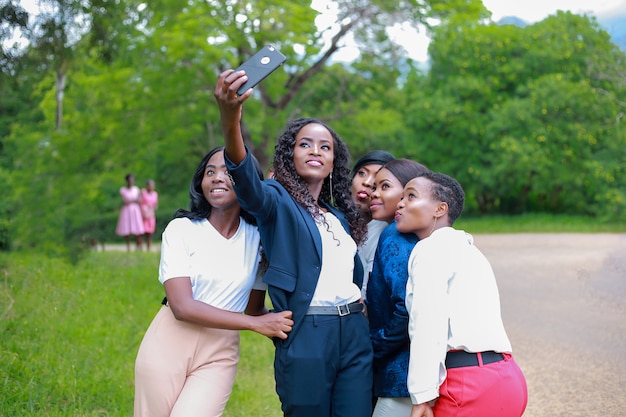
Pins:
x: 61, y: 76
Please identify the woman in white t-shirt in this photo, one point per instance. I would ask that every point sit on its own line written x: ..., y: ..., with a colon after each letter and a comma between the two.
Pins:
x: 210, y: 257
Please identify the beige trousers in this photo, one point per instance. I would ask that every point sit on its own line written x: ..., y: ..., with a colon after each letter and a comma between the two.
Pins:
x: 184, y: 370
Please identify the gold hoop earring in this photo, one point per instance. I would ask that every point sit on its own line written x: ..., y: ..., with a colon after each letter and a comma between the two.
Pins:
x: 433, y: 229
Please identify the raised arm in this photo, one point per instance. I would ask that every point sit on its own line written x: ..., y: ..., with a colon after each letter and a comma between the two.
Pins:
x: 230, y: 105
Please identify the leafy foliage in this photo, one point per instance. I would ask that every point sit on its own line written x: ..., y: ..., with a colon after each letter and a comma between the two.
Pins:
x: 528, y: 119
x: 530, y: 126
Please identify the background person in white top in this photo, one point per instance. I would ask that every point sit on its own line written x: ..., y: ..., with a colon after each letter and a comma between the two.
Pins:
x: 187, y: 360
x: 460, y: 357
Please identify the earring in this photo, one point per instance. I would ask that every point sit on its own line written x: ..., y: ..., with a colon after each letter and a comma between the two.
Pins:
x: 433, y: 229
x: 332, y: 196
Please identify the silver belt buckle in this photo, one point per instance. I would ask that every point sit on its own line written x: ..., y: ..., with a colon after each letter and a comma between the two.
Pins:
x: 341, y: 313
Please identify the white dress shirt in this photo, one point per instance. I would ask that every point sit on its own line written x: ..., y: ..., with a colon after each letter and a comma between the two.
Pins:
x: 335, y: 285
x: 453, y: 304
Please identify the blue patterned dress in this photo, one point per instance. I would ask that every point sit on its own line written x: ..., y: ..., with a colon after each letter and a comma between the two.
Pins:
x: 388, y: 318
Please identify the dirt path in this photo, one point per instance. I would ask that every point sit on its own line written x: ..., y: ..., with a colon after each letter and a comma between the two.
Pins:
x: 104, y: 247
x: 564, y: 307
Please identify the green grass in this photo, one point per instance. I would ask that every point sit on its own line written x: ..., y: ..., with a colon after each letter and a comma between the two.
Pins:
x: 69, y: 333
x: 538, y: 223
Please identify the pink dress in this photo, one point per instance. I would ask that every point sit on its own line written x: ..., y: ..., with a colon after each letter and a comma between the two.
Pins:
x: 130, y: 221
x: 149, y: 202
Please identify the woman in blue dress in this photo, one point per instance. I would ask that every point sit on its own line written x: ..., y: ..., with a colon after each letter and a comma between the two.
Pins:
x: 388, y: 318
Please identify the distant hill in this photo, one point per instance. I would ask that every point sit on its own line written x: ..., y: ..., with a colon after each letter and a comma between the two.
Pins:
x: 614, y: 25
x: 512, y: 20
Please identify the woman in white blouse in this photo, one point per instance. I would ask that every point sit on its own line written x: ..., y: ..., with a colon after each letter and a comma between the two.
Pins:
x: 460, y: 358
x: 187, y: 360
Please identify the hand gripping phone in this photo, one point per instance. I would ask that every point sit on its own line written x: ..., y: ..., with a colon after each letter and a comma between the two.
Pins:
x: 259, y: 66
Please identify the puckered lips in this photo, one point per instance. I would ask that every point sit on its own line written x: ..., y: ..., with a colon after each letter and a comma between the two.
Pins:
x: 362, y: 195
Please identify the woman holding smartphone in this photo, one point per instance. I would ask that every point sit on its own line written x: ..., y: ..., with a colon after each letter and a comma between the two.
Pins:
x: 310, y: 229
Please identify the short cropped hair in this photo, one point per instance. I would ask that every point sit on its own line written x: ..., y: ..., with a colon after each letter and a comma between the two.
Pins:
x: 447, y: 189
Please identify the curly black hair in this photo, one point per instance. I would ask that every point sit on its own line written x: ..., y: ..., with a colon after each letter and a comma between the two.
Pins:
x: 339, y: 195
x: 199, y: 207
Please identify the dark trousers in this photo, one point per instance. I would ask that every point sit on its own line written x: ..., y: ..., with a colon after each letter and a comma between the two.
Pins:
x: 326, y: 371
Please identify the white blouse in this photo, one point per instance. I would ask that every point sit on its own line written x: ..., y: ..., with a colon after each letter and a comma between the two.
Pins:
x: 453, y: 304
x: 335, y: 285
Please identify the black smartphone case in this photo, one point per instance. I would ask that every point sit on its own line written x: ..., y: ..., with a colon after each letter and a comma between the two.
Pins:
x: 259, y: 66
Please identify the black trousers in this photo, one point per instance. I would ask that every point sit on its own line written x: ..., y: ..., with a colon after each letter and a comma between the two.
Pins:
x: 326, y: 371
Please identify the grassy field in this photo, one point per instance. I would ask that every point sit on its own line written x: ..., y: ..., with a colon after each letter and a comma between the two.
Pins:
x: 538, y: 223
x: 69, y: 333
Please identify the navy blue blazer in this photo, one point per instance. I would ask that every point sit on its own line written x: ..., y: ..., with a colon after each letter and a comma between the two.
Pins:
x: 290, y: 238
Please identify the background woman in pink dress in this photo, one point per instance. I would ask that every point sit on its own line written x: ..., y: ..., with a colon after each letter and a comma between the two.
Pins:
x: 130, y: 221
x: 149, y: 203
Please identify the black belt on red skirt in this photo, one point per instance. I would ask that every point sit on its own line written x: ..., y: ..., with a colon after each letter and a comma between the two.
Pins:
x: 461, y: 358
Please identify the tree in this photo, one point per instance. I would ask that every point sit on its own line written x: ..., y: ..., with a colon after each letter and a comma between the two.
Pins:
x: 529, y: 115
x: 57, y: 29
x: 138, y: 98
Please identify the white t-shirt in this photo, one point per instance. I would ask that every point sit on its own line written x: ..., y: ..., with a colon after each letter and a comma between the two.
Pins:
x: 453, y: 304
x: 335, y: 285
x: 222, y: 271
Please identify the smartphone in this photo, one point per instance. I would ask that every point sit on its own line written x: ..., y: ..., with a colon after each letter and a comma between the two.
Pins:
x: 259, y: 66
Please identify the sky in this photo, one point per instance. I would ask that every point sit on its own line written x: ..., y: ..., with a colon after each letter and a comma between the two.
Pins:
x: 535, y: 10
x: 416, y: 43
x: 530, y: 11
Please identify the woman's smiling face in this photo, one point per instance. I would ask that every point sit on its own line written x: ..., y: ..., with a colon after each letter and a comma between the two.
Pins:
x: 314, y: 153
x: 216, y: 185
x: 386, y: 195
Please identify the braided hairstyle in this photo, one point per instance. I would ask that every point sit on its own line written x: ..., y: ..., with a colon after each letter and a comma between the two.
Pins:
x: 447, y: 189
x: 341, y: 193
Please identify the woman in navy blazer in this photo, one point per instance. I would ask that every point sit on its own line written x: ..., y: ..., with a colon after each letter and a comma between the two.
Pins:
x: 310, y: 229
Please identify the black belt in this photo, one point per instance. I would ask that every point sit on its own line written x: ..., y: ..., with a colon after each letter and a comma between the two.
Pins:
x: 461, y: 358
x: 343, y: 310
